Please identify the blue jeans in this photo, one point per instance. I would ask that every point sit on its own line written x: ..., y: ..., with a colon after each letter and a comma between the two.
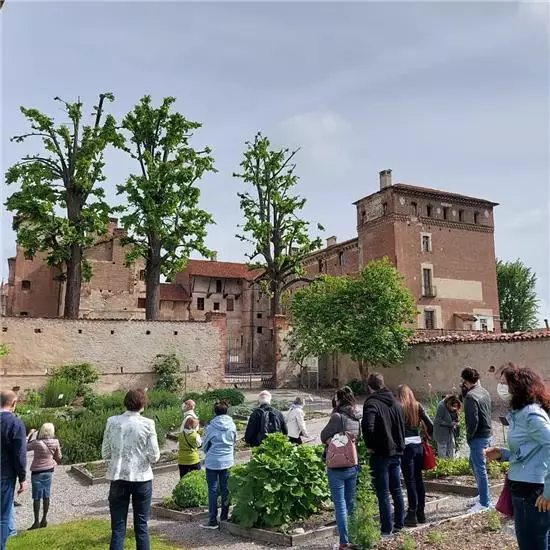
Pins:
x: 343, y: 484
x: 479, y: 467
x: 532, y: 526
x: 215, y: 479
x: 141, y: 493
x: 386, y: 480
x: 411, y: 466
x: 7, y: 492
x: 12, y: 526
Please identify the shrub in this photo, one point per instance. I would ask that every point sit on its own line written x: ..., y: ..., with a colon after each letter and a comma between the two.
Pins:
x: 408, y: 543
x: 240, y: 410
x: 435, y: 537
x: 167, y: 368
x: 448, y: 467
x: 356, y: 386
x: 159, y: 399
x: 205, y: 411
x: 231, y: 395
x: 167, y: 418
x: 282, y: 483
x: 191, y: 490
x: 59, y: 392
x: 81, y: 374
x: 100, y: 402
x: 364, y: 527
x: 493, y: 521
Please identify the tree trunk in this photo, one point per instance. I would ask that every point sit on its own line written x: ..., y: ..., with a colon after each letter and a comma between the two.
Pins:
x: 74, y: 283
x: 363, y: 373
x: 152, y: 282
x: 275, y: 309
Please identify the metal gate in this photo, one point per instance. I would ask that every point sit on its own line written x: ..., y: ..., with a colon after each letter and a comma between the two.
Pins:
x: 249, y: 370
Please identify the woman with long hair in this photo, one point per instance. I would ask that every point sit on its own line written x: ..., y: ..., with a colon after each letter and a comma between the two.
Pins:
x: 416, y: 421
x: 344, y: 420
x: 446, y: 424
x: 529, y: 454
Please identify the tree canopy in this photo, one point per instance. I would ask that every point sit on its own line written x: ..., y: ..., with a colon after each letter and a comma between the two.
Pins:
x: 273, y: 224
x: 60, y: 207
x: 517, y: 296
x: 367, y: 318
x: 162, y: 216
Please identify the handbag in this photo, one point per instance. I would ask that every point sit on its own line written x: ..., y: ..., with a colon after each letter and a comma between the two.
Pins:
x: 341, y: 450
x: 429, y: 456
x: 504, y: 504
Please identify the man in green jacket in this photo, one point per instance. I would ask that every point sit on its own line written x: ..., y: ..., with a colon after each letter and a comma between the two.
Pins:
x: 477, y: 411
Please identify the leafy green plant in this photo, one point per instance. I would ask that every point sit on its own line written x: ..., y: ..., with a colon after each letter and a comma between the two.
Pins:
x: 408, y: 543
x: 81, y: 374
x: 282, y: 483
x: 98, y: 402
x: 364, y: 527
x: 450, y: 467
x: 32, y: 399
x: 191, y: 490
x: 494, y: 522
x: 59, y: 392
x: 167, y: 418
x: 160, y: 399
x: 356, y: 386
x: 435, y: 537
x: 240, y: 410
x: 205, y: 411
x: 167, y: 368
x: 4, y: 350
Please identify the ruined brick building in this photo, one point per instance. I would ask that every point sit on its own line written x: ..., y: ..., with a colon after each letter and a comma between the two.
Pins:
x: 442, y: 243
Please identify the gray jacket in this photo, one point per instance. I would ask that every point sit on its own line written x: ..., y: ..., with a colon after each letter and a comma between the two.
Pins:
x: 478, y: 411
x: 443, y: 425
x: 348, y: 417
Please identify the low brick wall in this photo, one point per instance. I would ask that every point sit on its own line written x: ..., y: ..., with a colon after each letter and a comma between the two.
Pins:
x: 122, y: 350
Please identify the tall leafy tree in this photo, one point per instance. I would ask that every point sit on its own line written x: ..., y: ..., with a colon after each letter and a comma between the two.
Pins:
x: 279, y: 236
x: 60, y: 208
x: 517, y: 296
x: 367, y: 318
x: 162, y: 216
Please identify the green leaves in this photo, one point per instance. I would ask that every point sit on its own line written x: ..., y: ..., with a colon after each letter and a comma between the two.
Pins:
x: 279, y: 237
x: 365, y: 318
x: 517, y: 296
x: 281, y: 484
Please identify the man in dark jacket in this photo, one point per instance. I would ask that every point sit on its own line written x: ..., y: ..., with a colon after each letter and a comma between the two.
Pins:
x: 478, y: 412
x: 263, y: 421
x: 13, y: 461
x: 383, y: 429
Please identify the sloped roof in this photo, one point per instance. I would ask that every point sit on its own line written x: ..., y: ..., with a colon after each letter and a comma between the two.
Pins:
x: 222, y: 270
x: 420, y: 337
x: 173, y: 292
x: 416, y: 188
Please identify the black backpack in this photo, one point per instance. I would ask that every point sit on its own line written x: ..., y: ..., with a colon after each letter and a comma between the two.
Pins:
x: 270, y: 423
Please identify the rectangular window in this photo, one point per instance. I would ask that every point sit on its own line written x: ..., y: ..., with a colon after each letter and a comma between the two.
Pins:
x: 200, y: 304
x: 427, y: 282
x: 142, y: 274
x: 476, y: 217
x: 259, y: 330
x: 320, y: 265
x: 216, y: 306
x: 414, y: 209
x: 429, y: 211
x: 445, y: 213
x: 23, y: 314
x: 429, y: 319
x: 25, y: 285
x: 230, y: 304
x: 141, y: 303
x: 341, y: 259
x: 461, y: 215
x: 385, y: 208
x: 258, y: 315
x: 218, y: 286
x: 426, y: 243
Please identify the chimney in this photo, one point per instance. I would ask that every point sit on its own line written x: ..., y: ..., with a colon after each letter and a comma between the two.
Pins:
x: 385, y: 178
x: 214, y: 257
x: 331, y: 241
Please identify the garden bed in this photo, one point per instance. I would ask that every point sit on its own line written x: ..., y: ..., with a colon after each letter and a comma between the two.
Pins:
x: 459, y: 485
x: 161, y: 511
x: 94, y: 473
x: 475, y: 532
x: 316, y: 527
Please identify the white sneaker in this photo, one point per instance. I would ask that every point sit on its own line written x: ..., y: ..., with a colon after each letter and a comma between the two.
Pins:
x: 477, y: 507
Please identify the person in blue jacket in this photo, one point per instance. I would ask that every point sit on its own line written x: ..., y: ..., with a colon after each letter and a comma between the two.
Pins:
x: 219, y: 449
x: 528, y: 454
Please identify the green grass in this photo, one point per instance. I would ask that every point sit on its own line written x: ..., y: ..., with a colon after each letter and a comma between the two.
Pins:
x: 78, y: 535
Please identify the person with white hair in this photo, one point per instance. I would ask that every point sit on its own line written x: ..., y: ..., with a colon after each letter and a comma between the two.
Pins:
x: 47, y: 454
x: 263, y: 421
x: 295, y: 422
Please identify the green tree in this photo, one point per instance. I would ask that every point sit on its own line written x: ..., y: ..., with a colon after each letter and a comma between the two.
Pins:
x: 60, y: 209
x: 517, y: 295
x: 367, y: 318
x: 162, y: 216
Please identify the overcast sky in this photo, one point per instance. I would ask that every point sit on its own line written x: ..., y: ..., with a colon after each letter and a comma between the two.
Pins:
x: 449, y: 95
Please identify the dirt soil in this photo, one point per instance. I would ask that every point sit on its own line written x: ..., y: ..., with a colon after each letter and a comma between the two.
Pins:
x: 321, y: 519
x: 471, y: 533
x: 100, y: 469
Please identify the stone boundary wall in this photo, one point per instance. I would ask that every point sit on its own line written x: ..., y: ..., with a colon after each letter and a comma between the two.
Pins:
x: 123, y: 351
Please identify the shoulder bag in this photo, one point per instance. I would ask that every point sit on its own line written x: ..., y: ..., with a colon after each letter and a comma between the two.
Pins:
x: 342, y: 450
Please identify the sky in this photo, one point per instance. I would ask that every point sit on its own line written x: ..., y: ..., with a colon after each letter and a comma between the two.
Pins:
x: 448, y: 95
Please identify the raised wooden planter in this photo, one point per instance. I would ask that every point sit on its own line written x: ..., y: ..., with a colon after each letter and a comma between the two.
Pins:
x: 442, y: 486
x: 160, y: 512
x: 80, y: 471
x: 274, y: 537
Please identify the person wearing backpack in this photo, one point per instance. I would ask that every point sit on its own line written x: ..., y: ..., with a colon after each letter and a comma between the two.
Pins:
x: 263, y: 421
x: 340, y: 438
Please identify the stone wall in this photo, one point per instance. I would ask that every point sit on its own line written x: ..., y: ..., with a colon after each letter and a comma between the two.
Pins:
x: 440, y: 364
x: 122, y: 350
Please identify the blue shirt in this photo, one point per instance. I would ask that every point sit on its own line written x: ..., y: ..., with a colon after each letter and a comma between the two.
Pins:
x: 219, y: 443
x: 13, y: 463
x: 529, y: 446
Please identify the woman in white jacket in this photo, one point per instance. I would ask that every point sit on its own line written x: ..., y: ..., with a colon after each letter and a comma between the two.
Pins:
x: 295, y: 422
